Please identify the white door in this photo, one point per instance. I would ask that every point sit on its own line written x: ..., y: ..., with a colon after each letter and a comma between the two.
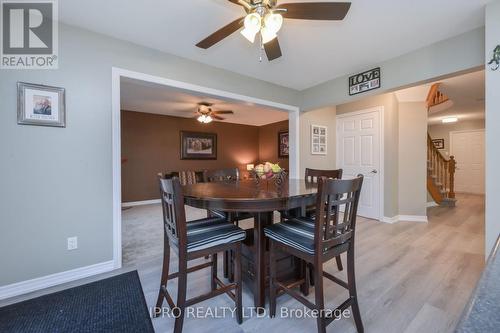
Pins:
x: 468, y: 149
x: 358, y: 152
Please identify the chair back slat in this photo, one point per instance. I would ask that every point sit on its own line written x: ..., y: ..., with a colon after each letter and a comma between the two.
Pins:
x: 336, y: 209
x: 231, y: 174
x: 174, y: 214
x: 312, y: 175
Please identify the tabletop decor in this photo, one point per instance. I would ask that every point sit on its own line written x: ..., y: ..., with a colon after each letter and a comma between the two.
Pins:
x: 198, y: 146
x: 268, y: 171
x: 40, y: 105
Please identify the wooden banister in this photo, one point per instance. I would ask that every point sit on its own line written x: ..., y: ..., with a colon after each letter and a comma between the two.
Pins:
x: 442, y: 170
x: 435, y: 97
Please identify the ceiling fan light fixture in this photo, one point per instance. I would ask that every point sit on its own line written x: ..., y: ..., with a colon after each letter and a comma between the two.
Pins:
x: 267, y: 35
x: 201, y: 118
x: 249, y: 35
x: 208, y: 119
x: 273, y: 22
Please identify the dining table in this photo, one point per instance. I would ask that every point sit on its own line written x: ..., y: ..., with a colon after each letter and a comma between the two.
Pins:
x: 261, y: 198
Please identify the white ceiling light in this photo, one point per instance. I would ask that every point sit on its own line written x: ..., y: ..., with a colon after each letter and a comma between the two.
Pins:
x: 267, y: 35
x: 449, y: 120
x: 253, y: 23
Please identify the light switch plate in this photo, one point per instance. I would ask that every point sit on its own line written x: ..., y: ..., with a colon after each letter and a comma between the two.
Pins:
x: 72, y: 243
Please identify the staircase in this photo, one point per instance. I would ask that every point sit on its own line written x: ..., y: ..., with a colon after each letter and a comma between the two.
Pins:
x: 440, y: 176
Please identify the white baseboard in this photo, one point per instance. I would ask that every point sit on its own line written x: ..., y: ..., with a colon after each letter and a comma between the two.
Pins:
x: 405, y: 218
x: 141, y: 203
x: 51, y: 280
x: 391, y: 220
x: 431, y: 204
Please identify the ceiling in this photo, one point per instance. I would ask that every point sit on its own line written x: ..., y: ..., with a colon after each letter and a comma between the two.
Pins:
x: 313, y: 51
x: 148, y: 97
x: 466, y: 93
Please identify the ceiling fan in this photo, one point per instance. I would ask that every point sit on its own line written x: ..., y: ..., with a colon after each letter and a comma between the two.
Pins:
x: 205, y: 114
x: 266, y: 17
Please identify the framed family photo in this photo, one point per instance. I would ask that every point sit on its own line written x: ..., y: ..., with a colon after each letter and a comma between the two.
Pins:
x: 198, y: 146
x: 283, y: 144
x: 438, y: 143
x: 40, y: 105
x: 318, y: 140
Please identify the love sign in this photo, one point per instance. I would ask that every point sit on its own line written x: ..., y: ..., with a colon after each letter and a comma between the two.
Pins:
x: 365, y: 81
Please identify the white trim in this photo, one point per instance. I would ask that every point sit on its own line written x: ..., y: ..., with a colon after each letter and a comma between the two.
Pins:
x: 405, y: 218
x: 390, y: 220
x: 381, y: 110
x: 431, y: 204
x: 51, y: 280
x: 413, y: 218
x: 117, y: 74
x: 141, y: 203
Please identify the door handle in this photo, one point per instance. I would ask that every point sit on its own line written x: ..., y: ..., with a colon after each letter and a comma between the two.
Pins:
x: 374, y: 171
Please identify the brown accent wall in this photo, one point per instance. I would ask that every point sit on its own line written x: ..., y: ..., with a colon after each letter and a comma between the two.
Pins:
x: 151, y: 144
x: 268, y: 143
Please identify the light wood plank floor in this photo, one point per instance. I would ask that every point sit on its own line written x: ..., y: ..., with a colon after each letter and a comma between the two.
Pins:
x: 412, y: 277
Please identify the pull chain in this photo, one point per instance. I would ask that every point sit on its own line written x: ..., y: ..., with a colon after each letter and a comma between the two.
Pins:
x: 261, y: 51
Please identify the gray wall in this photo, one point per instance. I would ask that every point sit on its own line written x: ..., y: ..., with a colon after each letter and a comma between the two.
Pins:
x: 57, y: 183
x: 412, y: 158
x: 453, y: 55
x: 323, y: 117
x: 492, y: 131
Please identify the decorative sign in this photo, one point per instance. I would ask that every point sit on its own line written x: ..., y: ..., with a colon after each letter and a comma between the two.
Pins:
x: 365, y: 81
x: 438, y: 143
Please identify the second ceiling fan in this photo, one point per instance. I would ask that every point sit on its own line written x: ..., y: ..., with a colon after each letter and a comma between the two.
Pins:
x: 266, y: 17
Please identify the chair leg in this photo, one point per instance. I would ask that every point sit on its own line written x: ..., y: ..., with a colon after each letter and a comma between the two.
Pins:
x: 239, y: 284
x: 164, y: 274
x: 181, y: 294
x: 225, y: 264
x: 351, y: 280
x: 339, y: 263
x: 319, y: 297
x: 272, y: 279
x: 230, y: 266
x: 311, y: 274
x: 304, y: 287
x: 214, y: 272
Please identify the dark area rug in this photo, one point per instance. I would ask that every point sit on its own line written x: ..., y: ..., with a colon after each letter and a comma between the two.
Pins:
x: 115, y: 304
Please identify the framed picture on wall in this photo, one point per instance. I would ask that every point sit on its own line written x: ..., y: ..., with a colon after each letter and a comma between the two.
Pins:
x: 40, y: 105
x: 283, y: 144
x: 438, y: 143
x: 319, y: 139
x: 198, y: 146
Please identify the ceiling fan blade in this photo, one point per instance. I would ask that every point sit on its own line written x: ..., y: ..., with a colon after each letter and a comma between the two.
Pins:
x: 223, y: 112
x: 315, y: 10
x: 217, y: 117
x: 221, y: 34
x: 273, y: 49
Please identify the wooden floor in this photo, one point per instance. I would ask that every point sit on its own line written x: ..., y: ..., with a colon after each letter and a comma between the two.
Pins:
x: 412, y: 277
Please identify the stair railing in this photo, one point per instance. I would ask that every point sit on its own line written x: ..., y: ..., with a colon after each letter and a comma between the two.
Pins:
x: 443, y: 169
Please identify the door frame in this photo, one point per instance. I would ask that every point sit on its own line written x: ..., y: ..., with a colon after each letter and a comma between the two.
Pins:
x: 381, y: 171
x: 484, y: 147
x: 117, y: 74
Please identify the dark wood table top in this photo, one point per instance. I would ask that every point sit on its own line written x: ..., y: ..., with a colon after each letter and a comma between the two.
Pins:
x: 246, y: 195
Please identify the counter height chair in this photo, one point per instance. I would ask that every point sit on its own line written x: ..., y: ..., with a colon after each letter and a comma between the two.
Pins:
x: 224, y: 175
x: 193, y: 240
x: 318, y: 240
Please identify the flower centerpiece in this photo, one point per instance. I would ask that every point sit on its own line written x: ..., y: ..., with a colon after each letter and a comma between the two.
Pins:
x: 268, y: 171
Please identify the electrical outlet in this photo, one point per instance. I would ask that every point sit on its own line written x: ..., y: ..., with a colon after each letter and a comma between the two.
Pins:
x: 72, y: 243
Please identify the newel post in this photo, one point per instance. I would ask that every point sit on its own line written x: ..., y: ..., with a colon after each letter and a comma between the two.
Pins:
x: 452, y: 169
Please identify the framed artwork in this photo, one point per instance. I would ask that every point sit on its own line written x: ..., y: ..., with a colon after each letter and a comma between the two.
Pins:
x: 198, y: 146
x: 438, y: 143
x: 319, y: 139
x: 283, y: 144
x: 40, y: 105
